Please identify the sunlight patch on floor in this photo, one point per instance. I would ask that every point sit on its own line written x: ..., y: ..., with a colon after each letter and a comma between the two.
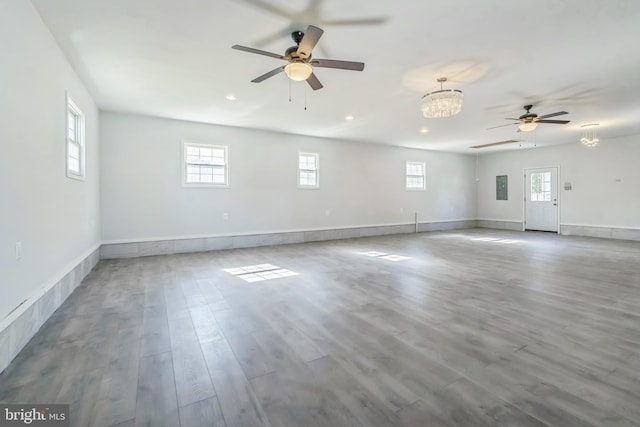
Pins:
x: 497, y: 240
x: 260, y: 272
x: 383, y: 255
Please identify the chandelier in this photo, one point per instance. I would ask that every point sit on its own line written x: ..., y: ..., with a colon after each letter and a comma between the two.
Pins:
x: 590, y: 138
x: 442, y: 103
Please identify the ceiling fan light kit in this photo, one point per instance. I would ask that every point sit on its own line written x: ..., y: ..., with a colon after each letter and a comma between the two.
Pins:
x: 298, y: 71
x: 528, y: 126
x: 442, y: 103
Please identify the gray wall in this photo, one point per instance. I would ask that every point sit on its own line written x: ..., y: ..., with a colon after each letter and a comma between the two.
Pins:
x: 360, y: 184
x: 604, y: 179
x: 57, y: 219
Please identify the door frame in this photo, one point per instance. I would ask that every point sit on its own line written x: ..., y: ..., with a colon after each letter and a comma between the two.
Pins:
x: 524, y: 198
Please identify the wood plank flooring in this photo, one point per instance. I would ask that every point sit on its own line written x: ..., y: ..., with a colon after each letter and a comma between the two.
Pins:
x: 476, y: 328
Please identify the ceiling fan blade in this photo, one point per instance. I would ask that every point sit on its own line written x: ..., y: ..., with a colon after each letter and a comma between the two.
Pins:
x: 559, y: 113
x: 258, y: 51
x: 266, y: 40
x: 309, y: 41
x: 267, y: 75
x: 500, y: 126
x: 314, y: 82
x: 342, y: 65
x: 270, y: 8
x: 509, y: 118
x: 557, y: 122
x: 365, y: 21
x: 493, y: 144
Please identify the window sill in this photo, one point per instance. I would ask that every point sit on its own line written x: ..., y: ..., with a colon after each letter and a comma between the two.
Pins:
x: 76, y: 177
x: 221, y: 186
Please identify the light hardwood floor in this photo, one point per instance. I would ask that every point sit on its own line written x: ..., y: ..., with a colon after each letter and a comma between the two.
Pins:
x: 476, y: 328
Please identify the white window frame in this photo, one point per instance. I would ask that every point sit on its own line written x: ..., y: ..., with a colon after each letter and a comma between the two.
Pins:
x: 423, y: 176
x: 225, y: 148
x: 316, y: 156
x: 78, y: 140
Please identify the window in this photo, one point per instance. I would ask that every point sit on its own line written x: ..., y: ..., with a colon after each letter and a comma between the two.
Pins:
x: 415, y: 176
x: 541, y: 187
x: 206, y: 165
x: 308, y: 172
x: 75, y: 141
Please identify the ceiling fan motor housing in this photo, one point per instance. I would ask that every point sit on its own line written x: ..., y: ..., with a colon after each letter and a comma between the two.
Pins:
x: 297, y: 36
x: 528, y: 116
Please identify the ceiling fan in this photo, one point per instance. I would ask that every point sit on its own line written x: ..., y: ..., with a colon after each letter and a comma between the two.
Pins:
x: 300, y: 65
x: 529, y: 121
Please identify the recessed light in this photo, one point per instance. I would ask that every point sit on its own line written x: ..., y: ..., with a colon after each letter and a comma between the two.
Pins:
x: 231, y: 97
x: 424, y: 130
x: 349, y: 117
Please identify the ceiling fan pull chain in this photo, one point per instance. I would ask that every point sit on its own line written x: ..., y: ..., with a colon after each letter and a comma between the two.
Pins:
x: 289, y: 90
x: 305, y: 98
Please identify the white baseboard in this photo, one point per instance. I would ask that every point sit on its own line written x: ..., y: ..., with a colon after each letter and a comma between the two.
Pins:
x: 22, y: 323
x: 605, y: 232
x: 147, y: 247
x: 500, y: 224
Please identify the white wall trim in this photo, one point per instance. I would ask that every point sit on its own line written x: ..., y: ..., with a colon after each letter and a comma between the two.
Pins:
x: 498, y: 224
x: 617, y: 227
x: 34, y: 297
x: 518, y: 221
x: 19, y: 326
x: 249, y: 240
x: 258, y: 232
x: 618, y: 233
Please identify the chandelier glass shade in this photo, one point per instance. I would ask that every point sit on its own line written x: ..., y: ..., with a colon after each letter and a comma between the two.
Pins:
x: 442, y: 103
x: 590, y: 138
x: 528, y: 126
x: 298, y: 71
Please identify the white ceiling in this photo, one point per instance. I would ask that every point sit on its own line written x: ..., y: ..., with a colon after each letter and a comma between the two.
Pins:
x: 174, y: 59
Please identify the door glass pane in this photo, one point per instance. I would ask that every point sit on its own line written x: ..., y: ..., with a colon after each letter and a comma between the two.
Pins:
x: 536, y: 187
x: 541, y: 187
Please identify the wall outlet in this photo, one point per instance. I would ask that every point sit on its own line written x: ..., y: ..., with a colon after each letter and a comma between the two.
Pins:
x: 225, y: 216
x: 327, y: 212
x: 18, y: 250
x: 401, y: 210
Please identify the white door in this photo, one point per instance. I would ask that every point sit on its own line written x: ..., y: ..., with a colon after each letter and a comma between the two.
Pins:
x: 541, y: 199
